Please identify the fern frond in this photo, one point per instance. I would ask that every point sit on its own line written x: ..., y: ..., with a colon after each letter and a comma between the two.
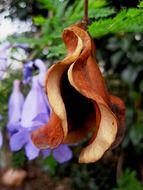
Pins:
x: 130, y: 20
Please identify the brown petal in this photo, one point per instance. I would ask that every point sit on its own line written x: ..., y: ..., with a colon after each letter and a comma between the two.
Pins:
x: 49, y: 135
x: 85, y: 76
x: 45, y: 135
x: 105, y: 136
x: 93, y: 87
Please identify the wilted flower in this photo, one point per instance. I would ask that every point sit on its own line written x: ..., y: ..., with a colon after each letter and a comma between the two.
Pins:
x: 80, y: 101
x: 15, y: 106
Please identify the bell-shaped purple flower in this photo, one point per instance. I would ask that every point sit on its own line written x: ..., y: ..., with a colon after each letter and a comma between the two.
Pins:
x: 34, y: 104
x: 15, y: 106
x: 36, y: 112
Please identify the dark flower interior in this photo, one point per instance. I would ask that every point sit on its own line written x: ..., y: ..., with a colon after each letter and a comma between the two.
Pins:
x: 78, y: 107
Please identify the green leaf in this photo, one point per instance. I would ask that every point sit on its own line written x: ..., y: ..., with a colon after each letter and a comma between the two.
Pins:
x: 39, y: 20
x: 56, y: 51
x: 140, y: 4
x: 128, y: 181
x: 125, y: 21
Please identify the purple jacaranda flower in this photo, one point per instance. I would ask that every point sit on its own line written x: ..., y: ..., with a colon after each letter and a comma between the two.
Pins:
x: 61, y: 154
x: 1, y: 139
x: 34, y: 105
x: 27, y: 72
x: 36, y: 112
x: 15, y: 106
x: 21, y: 139
x: 42, y: 71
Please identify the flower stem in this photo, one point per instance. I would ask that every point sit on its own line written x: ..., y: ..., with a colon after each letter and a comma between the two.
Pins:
x: 85, y: 18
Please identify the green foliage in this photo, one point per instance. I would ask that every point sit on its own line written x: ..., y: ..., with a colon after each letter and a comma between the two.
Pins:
x: 140, y: 4
x: 129, y: 182
x: 125, y: 21
x: 59, y: 16
x: 50, y: 165
x: 18, y: 159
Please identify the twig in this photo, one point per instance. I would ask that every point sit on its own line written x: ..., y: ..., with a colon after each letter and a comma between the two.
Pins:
x: 85, y: 17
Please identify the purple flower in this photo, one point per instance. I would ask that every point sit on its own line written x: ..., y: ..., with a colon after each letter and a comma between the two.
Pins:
x: 35, y: 113
x: 1, y: 139
x: 15, y: 106
x: 22, y: 139
x: 61, y: 154
x: 34, y: 105
x: 42, y: 71
x: 27, y: 72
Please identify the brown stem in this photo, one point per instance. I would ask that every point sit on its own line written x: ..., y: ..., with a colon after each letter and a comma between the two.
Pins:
x: 85, y: 18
